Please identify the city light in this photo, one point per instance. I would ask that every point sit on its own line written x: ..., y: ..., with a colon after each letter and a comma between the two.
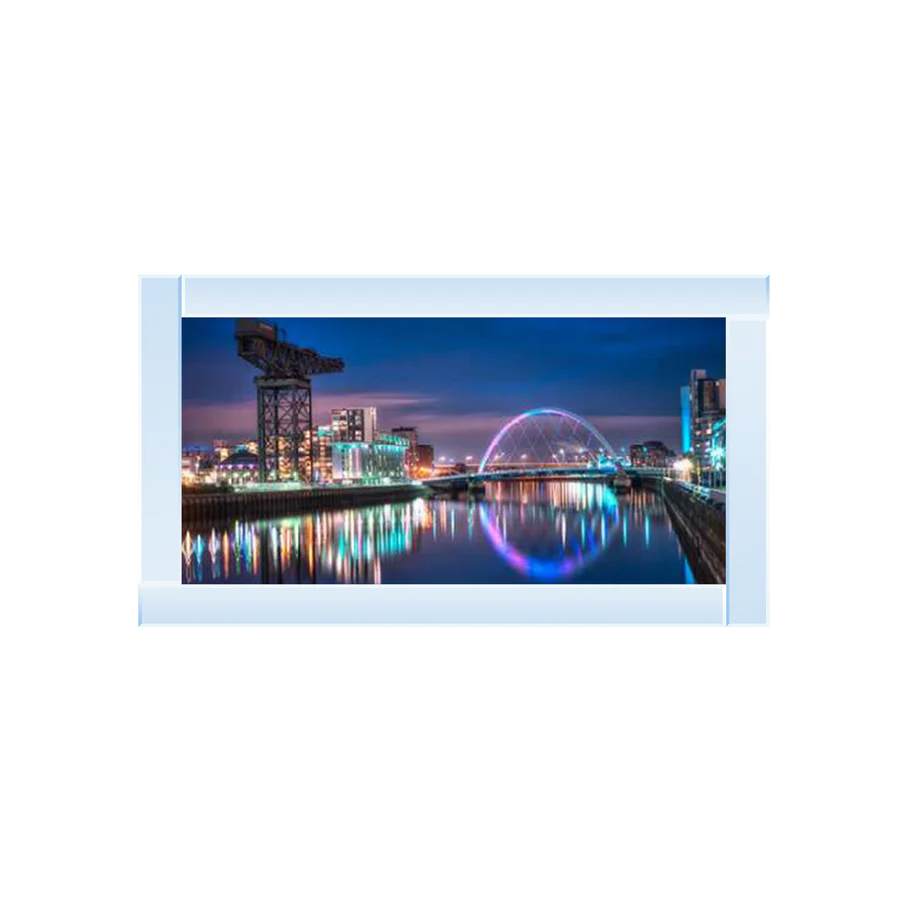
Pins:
x: 609, y: 493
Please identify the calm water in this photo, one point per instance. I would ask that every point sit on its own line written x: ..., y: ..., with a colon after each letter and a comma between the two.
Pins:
x: 550, y: 531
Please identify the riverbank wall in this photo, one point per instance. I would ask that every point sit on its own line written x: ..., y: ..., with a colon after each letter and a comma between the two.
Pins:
x: 700, y: 528
x: 202, y: 507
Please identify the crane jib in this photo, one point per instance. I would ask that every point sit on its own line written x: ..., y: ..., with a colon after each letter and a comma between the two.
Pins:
x: 284, y: 398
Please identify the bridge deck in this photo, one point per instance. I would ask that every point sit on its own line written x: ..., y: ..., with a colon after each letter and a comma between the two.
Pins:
x: 507, y: 474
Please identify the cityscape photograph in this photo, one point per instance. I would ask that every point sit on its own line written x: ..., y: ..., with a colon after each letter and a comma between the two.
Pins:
x: 453, y: 451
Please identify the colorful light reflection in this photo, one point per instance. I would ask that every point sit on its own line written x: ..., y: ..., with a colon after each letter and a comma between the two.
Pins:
x: 543, y: 530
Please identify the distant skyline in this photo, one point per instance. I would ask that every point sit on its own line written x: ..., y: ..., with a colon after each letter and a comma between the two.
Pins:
x: 459, y: 380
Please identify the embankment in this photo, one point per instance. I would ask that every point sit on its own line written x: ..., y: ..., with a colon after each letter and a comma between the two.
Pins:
x: 700, y: 529
x: 207, y: 507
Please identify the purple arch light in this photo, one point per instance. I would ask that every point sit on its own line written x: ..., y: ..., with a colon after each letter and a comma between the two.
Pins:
x: 527, y: 564
x: 534, y: 567
x: 544, y: 411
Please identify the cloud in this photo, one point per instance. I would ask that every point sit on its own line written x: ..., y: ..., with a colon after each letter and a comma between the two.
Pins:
x: 323, y: 403
x: 491, y: 423
x: 456, y: 423
x: 201, y: 423
x: 601, y: 422
x: 458, y: 432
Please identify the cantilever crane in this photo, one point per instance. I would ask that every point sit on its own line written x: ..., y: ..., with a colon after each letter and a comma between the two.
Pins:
x: 283, y: 398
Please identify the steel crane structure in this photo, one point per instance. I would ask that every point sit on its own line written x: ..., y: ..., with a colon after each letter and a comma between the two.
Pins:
x: 283, y: 398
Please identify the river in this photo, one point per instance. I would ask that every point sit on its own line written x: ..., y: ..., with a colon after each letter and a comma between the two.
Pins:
x: 531, y: 531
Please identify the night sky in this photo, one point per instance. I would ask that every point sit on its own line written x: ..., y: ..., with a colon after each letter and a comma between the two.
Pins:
x: 459, y: 380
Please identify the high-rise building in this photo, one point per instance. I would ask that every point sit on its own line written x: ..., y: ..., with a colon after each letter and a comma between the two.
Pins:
x: 426, y: 459
x: 686, y: 426
x: 357, y: 424
x: 706, y: 398
x: 412, y: 454
x: 323, y: 467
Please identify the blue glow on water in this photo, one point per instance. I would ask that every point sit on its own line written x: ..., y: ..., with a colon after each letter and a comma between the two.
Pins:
x: 688, y: 574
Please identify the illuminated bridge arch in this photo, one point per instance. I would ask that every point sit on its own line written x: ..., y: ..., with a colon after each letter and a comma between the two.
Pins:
x: 547, y: 437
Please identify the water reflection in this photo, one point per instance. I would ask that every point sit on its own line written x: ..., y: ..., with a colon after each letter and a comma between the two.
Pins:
x: 522, y: 531
x: 558, y: 528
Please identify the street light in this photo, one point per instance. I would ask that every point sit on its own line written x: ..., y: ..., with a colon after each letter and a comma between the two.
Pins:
x: 683, y: 467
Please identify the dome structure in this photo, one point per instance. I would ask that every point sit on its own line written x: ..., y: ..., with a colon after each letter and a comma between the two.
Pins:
x: 242, y: 459
x: 240, y: 467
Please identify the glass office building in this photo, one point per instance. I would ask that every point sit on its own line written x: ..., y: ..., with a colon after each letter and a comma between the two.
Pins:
x: 370, y: 462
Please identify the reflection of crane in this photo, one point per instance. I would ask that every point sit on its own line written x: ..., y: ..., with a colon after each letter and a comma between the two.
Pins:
x: 283, y: 398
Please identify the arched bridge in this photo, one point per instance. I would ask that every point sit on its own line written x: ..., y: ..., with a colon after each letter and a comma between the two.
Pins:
x: 547, y: 437
x: 541, y: 442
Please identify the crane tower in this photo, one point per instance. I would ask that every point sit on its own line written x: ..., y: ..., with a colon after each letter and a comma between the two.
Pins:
x: 283, y: 398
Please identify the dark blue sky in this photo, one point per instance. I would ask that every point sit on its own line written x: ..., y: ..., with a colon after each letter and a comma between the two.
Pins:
x: 459, y: 380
